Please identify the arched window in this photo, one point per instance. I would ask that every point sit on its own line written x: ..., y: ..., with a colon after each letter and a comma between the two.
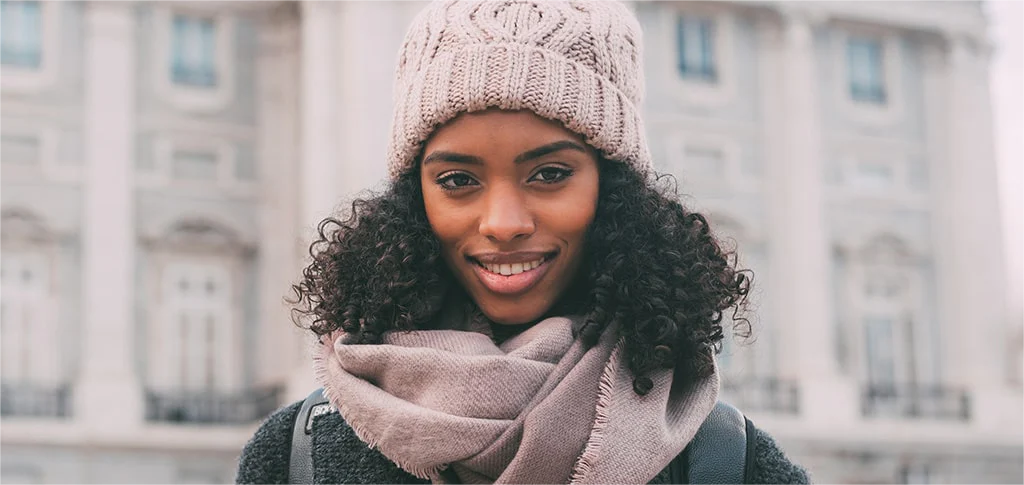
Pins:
x: 889, y: 306
x: 198, y: 277
x: 194, y: 332
x: 748, y: 366
x: 32, y: 370
x: 889, y: 333
x: 738, y: 359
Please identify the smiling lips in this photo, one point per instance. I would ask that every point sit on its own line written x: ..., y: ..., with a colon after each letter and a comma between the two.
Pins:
x: 511, y: 274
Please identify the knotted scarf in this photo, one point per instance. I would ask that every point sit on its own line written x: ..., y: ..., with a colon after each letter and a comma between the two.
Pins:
x: 541, y: 407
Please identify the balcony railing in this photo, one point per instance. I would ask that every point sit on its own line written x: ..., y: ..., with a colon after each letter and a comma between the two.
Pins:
x: 211, y: 407
x: 35, y: 401
x: 915, y: 401
x: 763, y: 394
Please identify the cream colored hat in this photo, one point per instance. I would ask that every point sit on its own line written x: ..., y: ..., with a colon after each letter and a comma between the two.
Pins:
x: 577, y: 62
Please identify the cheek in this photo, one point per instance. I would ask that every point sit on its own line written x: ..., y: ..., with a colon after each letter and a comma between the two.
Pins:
x: 569, y: 214
x: 443, y: 216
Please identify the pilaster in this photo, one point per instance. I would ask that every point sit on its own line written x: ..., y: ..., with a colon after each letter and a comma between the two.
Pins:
x: 971, y: 221
x: 320, y: 183
x: 365, y: 122
x: 108, y: 394
x: 278, y: 65
x: 800, y: 250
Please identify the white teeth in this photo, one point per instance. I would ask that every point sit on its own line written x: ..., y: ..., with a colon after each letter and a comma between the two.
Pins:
x: 513, y: 268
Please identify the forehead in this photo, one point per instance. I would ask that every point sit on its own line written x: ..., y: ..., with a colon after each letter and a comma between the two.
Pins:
x: 498, y: 130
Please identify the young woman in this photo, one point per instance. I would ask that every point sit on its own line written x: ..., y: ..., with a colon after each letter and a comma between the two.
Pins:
x: 525, y: 303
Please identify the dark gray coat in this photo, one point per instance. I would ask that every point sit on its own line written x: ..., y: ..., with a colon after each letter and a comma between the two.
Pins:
x: 340, y: 457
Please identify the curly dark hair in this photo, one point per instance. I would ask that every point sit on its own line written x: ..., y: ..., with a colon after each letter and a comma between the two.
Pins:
x: 651, y: 265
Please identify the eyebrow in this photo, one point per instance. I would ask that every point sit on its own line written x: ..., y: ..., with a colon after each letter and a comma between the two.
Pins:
x: 522, y: 157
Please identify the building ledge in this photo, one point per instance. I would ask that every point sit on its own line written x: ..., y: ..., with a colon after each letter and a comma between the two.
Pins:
x: 147, y: 436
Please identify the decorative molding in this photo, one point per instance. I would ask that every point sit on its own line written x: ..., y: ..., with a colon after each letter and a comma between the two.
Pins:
x: 733, y: 178
x: 947, y: 18
x: 226, y: 153
x: 48, y: 165
x: 198, y: 127
x: 200, y: 235
x: 900, y: 248
x: 21, y: 80
x: 231, y: 7
x: 23, y: 226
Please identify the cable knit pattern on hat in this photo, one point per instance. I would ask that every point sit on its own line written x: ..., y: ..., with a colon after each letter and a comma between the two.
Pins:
x: 576, y: 62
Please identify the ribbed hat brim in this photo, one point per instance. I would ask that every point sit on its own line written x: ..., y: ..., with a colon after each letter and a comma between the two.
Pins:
x: 514, y: 77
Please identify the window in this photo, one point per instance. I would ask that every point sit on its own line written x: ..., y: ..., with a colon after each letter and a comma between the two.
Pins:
x: 695, y: 48
x: 19, y: 149
x: 918, y: 472
x: 198, y: 334
x: 194, y: 165
x: 887, y: 325
x: 875, y: 175
x: 193, y: 52
x: 705, y: 160
x: 26, y: 319
x: 880, y: 352
x: 865, y: 70
x: 21, y: 34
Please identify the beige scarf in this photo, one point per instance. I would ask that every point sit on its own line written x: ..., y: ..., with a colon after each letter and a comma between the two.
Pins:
x: 451, y: 406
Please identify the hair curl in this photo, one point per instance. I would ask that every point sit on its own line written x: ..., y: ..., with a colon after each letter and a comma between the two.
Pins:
x: 651, y: 265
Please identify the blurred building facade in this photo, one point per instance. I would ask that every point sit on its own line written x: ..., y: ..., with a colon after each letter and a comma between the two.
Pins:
x: 164, y: 165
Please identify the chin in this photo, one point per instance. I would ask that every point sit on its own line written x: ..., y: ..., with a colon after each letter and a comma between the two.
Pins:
x: 513, y: 313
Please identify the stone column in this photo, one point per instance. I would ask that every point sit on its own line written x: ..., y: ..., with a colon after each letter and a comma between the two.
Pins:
x: 366, y: 92
x: 971, y: 219
x: 321, y: 130
x: 321, y: 180
x: 973, y: 283
x: 108, y: 394
x: 800, y: 242
x: 279, y: 67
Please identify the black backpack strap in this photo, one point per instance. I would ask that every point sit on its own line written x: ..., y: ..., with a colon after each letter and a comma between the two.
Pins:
x: 300, y: 467
x: 719, y: 452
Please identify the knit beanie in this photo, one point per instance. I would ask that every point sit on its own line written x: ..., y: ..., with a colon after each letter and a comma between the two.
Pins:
x: 576, y: 62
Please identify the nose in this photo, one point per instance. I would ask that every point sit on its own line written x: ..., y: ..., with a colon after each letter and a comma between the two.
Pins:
x: 506, y: 216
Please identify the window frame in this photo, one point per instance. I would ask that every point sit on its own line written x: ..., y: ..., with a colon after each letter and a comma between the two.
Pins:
x: 877, y: 90
x: 172, y: 306
x: 39, y: 41
x: 179, y: 63
x: 868, y: 114
x: 707, y: 70
x: 217, y: 245
x: 695, y: 92
x: 43, y: 246
x: 32, y: 80
x: 886, y: 253
x: 193, y: 99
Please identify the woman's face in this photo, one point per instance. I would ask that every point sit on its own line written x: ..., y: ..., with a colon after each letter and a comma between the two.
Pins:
x: 510, y: 196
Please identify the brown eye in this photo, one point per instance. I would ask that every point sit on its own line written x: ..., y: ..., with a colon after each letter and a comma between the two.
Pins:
x: 551, y: 175
x: 455, y: 181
